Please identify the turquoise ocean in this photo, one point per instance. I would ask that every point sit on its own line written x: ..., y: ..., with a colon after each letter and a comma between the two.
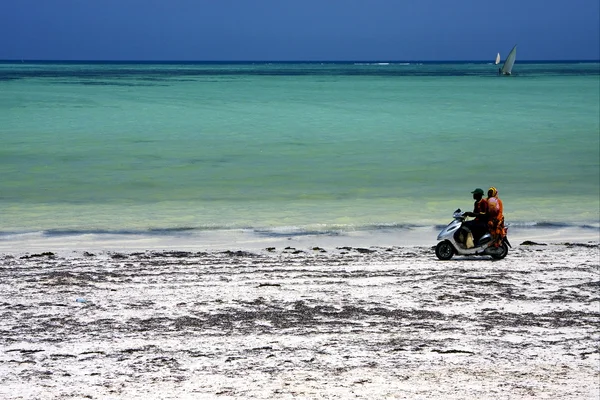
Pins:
x: 280, y: 148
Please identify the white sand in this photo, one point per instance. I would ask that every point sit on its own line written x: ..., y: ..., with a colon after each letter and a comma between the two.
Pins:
x: 392, y: 323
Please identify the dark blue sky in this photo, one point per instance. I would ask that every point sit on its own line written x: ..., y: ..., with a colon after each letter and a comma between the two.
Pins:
x: 309, y: 30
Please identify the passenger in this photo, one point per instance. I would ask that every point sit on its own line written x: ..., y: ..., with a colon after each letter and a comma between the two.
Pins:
x: 496, y: 216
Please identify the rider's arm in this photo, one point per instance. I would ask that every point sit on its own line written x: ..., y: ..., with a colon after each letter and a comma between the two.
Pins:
x: 482, y: 212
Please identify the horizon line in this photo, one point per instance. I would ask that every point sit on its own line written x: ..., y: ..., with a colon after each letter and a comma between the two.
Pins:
x: 35, y: 60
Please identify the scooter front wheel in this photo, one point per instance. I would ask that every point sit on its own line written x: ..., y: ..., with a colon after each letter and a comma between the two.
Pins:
x: 444, y: 250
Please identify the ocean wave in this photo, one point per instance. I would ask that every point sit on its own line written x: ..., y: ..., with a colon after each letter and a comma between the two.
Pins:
x: 277, y: 231
x: 381, y: 63
x: 553, y: 225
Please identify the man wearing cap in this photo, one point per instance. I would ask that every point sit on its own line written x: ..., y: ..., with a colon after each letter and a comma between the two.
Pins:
x: 478, y: 226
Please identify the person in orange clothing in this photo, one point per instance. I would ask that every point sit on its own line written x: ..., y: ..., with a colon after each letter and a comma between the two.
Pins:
x: 495, y: 216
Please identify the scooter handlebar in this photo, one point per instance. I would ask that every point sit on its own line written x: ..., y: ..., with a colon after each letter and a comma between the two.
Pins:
x: 459, y: 214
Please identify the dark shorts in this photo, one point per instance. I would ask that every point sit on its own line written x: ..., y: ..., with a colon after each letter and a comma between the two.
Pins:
x: 478, y: 228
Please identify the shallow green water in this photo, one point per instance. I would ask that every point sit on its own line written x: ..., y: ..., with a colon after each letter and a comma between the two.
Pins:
x: 133, y: 147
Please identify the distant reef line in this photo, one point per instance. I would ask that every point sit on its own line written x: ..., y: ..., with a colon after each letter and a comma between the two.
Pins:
x: 342, y: 62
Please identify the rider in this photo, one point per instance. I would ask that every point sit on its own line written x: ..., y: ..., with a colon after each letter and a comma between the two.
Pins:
x: 478, y: 226
x: 496, y: 216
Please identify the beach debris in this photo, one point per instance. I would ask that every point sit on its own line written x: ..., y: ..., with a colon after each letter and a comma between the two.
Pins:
x: 88, y: 254
x: 175, y: 254
x: 452, y: 351
x: 270, y: 249
x: 225, y: 391
x: 363, y: 250
x: 62, y: 356
x: 589, y: 353
x: 269, y: 284
x: 118, y: 256
x: 262, y: 348
x: 292, y: 250
x: 587, y: 245
x: 239, y: 253
x: 48, y: 254
x: 25, y: 351
x: 81, y: 300
x: 530, y: 243
x: 319, y: 249
x: 97, y: 352
x: 359, y: 249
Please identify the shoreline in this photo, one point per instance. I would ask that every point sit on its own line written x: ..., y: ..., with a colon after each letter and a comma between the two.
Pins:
x: 244, y: 239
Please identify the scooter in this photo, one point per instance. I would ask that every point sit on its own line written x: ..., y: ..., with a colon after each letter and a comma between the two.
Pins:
x: 458, y: 239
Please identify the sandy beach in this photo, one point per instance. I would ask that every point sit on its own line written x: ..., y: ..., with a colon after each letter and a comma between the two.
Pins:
x: 298, y: 321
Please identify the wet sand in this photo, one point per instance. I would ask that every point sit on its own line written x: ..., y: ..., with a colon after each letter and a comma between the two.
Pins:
x: 330, y: 322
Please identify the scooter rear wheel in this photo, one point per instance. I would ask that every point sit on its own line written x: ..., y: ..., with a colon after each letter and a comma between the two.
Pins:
x: 444, y: 250
x: 503, y: 252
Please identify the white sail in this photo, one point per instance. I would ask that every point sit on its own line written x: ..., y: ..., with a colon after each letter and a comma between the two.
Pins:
x: 497, y: 59
x: 510, y: 61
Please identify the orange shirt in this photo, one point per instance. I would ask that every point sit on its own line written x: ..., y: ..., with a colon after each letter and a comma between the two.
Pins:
x: 495, y: 207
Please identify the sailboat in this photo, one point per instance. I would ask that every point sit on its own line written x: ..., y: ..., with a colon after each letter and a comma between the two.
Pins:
x: 497, y: 59
x: 509, y: 62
